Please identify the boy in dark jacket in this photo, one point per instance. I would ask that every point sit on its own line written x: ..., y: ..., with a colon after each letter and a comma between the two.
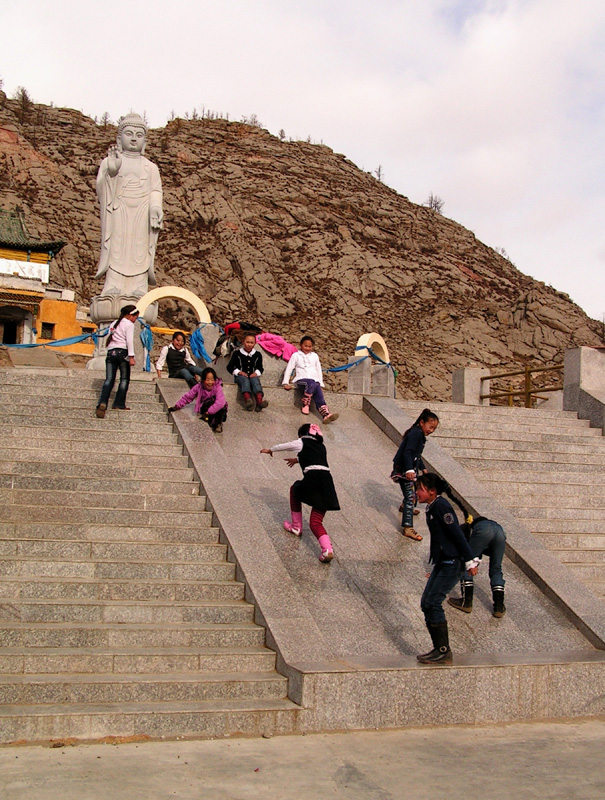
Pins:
x: 246, y: 366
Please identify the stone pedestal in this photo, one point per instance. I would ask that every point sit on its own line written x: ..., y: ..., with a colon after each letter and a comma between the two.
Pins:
x: 383, y: 380
x: 467, y: 386
x: 360, y: 376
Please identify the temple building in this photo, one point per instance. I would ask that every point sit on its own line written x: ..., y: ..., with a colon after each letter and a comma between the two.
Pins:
x: 32, y: 310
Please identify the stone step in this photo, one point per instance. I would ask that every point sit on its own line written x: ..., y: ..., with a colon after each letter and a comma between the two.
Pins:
x: 202, y: 719
x: 108, y: 533
x: 101, y: 459
x: 21, y: 379
x: 51, y: 550
x: 81, y: 469
x: 105, y: 516
x: 68, y: 417
x: 588, y: 571
x: 526, y: 456
x: 73, y: 634
x: 560, y: 512
x: 32, y: 438
x: 505, y: 465
x: 101, y: 569
x: 93, y: 483
x: 511, y: 426
x: 454, y: 435
x: 564, y: 540
x: 119, y: 612
x: 483, y: 412
x: 118, y: 660
x: 583, y: 526
x: 588, y: 556
x: 124, y: 421
x: 571, y: 496
x: 30, y: 403
x: 102, y: 499
x: 13, y: 588
x: 140, y: 688
x: 453, y: 445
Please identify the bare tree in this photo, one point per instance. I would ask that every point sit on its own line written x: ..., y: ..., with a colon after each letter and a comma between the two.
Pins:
x: 282, y: 134
x: 435, y: 202
x: 379, y: 172
x: 105, y: 120
x: 25, y: 103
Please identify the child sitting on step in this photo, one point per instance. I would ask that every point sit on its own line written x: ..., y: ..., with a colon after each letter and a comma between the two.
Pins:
x: 316, y: 488
x: 408, y: 463
x: 308, y: 378
x: 450, y: 555
x: 179, y: 360
x: 210, y: 402
x: 246, y: 366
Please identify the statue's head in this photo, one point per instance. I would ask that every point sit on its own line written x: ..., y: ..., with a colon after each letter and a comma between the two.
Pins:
x: 132, y: 134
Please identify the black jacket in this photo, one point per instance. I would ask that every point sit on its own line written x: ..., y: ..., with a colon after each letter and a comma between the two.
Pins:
x: 447, y: 539
x: 245, y: 362
x: 408, y: 456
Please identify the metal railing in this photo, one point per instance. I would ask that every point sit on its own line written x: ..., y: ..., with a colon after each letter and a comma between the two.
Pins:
x: 529, y: 392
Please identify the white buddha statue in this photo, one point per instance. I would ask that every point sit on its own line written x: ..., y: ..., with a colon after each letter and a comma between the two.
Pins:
x: 129, y: 189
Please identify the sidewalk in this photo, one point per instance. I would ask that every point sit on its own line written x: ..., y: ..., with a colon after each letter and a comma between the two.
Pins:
x: 541, y: 761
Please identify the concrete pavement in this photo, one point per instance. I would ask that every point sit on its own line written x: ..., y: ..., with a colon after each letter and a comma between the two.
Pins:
x: 541, y: 761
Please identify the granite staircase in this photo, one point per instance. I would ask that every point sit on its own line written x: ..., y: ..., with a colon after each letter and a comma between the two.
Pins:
x: 120, y: 614
x: 547, y: 467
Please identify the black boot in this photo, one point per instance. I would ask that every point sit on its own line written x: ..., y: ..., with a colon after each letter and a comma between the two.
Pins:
x: 498, y: 597
x: 464, y: 603
x: 441, y: 653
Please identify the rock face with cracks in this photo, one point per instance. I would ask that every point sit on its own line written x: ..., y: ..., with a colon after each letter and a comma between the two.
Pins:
x: 294, y: 238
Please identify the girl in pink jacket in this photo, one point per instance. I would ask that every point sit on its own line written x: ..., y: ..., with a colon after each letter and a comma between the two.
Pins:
x: 210, y: 402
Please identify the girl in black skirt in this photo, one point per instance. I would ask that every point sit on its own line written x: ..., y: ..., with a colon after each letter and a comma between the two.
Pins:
x: 316, y: 488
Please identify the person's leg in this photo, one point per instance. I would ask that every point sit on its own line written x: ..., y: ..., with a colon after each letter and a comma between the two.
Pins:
x: 318, y: 530
x: 407, y: 489
x: 111, y: 370
x: 257, y: 391
x: 442, y: 580
x: 294, y: 525
x: 306, y: 398
x: 120, y: 398
x: 216, y: 420
x: 186, y: 375
x: 246, y: 389
x: 495, y: 552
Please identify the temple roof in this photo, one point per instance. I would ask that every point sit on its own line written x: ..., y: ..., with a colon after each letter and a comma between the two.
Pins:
x: 13, y: 233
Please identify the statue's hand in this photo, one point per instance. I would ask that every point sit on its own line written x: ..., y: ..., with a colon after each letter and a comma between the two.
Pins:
x: 155, y: 217
x: 114, y: 160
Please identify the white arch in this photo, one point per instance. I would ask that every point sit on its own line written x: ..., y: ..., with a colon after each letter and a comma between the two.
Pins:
x: 374, y: 342
x: 177, y: 293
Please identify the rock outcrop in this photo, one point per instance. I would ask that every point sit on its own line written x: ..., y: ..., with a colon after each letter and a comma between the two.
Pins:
x: 295, y: 238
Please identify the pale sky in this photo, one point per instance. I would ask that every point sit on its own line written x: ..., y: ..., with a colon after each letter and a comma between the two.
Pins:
x: 496, y: 106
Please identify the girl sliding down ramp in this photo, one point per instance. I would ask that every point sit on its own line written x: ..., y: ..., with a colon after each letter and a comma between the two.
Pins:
x: 316, y: 488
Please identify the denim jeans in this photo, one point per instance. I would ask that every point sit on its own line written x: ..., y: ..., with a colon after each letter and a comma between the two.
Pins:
x: 117, y: 358
x: 407, y: 489
x: 187, y: 374
x: 442, y: 580
x: 313, y: 388
x: 251, y: 385
x: 488, y: 539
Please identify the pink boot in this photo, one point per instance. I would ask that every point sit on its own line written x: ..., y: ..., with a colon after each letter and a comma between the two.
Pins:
x: 326, y: 416
x: 306, y: 403
x: 295, y: 526
x: 327, y: 554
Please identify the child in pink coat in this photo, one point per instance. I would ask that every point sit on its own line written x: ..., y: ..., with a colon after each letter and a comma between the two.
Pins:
x: 210, y: 402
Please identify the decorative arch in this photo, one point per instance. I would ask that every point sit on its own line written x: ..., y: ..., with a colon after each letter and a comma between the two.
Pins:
x: 374, y: 342
x: 177, y: 293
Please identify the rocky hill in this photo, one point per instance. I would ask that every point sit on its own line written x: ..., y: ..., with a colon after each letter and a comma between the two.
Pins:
x: 295, y: 238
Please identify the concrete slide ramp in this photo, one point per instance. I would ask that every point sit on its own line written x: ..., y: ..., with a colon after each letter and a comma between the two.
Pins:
x: 347, y: 633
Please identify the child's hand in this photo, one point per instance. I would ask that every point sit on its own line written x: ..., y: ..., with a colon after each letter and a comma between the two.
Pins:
x: 267, y: 452
x: 474, y: 570
x: 287, y: 386
x: 291, y: 462
x: 171, y: 408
